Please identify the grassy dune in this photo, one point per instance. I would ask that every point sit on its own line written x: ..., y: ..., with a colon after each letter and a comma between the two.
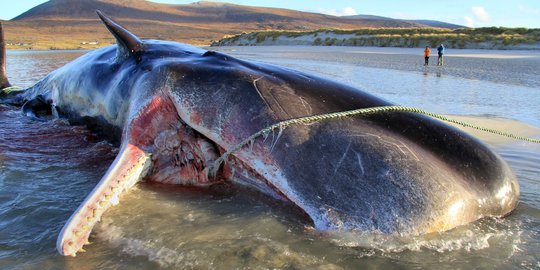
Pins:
x: 489, y: 37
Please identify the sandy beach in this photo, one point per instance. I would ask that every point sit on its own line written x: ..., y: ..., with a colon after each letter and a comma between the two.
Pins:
x: 508, y: 67
x: 501, y: 124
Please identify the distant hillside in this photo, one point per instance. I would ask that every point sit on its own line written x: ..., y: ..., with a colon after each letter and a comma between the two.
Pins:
x: 198, y: 12
x: 74, y: 24
x: 424, y: 23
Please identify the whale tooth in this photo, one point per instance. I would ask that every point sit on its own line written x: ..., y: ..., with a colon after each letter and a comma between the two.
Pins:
x: 115, y: 200
x: 115, y: 190
x: 100, y: 204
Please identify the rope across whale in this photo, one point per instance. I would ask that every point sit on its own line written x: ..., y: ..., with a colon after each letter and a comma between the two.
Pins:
x: 358, y: 112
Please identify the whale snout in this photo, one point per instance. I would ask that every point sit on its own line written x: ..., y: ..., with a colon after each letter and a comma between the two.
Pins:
x: 370, y: 179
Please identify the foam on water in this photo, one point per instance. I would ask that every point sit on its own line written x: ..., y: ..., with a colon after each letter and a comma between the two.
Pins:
x: 467, y: 238
x: 151, y: 249
x: 200, y: 231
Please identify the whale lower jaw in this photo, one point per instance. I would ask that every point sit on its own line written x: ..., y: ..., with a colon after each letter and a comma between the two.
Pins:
x: 128, y: 168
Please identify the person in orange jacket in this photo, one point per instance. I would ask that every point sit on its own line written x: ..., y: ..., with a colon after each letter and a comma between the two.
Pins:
x: 427, y: 51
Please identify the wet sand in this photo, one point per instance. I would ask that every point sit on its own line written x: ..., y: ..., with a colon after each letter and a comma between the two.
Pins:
x: 511, y: 67
x: 505, y: 125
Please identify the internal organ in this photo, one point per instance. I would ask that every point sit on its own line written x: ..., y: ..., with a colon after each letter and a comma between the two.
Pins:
x: 182, y: 157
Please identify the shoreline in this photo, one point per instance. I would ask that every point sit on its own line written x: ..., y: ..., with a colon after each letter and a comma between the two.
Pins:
x: 460, y: 52
x: 532, y: 47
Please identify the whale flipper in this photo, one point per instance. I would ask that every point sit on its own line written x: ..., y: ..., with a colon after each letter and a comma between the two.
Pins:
x: 38, y: 108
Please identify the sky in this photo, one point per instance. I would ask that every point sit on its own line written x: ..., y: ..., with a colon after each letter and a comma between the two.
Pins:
x: 472, y: 13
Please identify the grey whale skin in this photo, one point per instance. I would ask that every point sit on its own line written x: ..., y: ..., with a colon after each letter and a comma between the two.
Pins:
x: 173, y: 109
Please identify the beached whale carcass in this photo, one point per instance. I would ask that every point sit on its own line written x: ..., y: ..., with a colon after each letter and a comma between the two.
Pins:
x: 174, y: 109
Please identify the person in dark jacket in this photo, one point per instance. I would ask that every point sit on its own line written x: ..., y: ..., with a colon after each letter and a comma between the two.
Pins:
x: 440, y: 50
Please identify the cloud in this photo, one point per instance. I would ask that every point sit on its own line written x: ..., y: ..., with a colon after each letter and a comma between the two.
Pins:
x: 348, y: 11
x: 469, y: 22
x: 528, y: 10
x: 480, y: 13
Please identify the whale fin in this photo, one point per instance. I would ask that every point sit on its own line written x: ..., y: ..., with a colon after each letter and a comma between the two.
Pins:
x: 38, y: 108
x: 4, y: 83
x: 128, y: 43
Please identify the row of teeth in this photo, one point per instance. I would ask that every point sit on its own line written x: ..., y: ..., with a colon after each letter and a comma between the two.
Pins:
x: 113, y: 199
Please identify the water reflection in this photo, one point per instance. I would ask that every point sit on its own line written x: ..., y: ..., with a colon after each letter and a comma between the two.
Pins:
x: 25, y: 67
x: 426, y: 71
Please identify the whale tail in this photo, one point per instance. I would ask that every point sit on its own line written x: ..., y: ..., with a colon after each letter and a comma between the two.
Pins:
x: 4, y: 83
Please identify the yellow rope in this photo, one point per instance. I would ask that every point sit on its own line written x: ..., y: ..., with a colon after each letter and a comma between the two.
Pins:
x: 366, y: 111
x: 10, y: 89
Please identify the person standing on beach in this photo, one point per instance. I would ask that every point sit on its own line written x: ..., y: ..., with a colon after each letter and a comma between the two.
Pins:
x: 440, y: 50
x: 427, y: 51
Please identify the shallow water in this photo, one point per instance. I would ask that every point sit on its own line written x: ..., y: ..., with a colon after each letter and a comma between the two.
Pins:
x: 47, y: 168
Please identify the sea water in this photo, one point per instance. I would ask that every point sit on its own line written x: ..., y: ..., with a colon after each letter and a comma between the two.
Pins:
x: 47, y: 168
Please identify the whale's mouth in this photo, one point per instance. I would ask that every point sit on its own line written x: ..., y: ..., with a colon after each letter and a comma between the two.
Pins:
x: 158, y: 147
x: 180, y: 154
